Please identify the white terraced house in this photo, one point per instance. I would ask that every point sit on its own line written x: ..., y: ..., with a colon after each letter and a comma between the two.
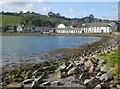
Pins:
x: 89, y: 28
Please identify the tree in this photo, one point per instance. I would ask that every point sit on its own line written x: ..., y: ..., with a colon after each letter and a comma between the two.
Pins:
x: 75, y: 24
x: 86, y: 20
x: 91, y: 18
x: 14, y: 28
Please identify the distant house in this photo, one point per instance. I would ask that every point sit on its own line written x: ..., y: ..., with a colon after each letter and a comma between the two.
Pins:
x: 96, y: 28
x: 61, y: 26
x: 28, y: 29
x: 88, y: 28
x: 19, y: 29
x: 43, y: 29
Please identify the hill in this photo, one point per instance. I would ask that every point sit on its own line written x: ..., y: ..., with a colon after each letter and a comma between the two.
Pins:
x: 10, y: 20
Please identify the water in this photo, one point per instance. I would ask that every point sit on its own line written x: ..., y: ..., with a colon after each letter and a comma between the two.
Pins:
x: 29, y: 49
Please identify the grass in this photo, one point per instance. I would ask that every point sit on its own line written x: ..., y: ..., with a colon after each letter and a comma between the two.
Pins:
x: 112, y: 60
x: 11, y: 20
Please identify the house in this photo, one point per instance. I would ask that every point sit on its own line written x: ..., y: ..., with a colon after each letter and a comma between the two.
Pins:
x: 61, y: 26
x: 28, y: 29
x: 44, y: 29
x: 96, y: 28
x: 68, y: 29
x: 19, y: 29
x: 88, y: 28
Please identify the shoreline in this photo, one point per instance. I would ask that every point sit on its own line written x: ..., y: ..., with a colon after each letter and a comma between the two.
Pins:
x: 67, y: 52
x: 53, y: 34
x: 83, y: 51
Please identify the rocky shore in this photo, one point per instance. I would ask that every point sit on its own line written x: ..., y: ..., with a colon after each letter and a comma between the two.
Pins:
x: 84, y: 70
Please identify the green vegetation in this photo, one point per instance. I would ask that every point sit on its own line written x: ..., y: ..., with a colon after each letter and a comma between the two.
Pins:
x: 112, y: 60
x: 9, y: 20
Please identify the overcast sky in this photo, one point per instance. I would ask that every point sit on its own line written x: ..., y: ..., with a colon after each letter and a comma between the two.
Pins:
x: 106, y: 9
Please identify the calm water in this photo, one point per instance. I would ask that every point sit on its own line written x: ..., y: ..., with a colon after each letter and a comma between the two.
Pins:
x: 29, y: 49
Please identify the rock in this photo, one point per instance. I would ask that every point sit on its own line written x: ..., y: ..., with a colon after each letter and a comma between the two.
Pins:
x: 37, y: 81
x: 61, y: 68
x: 98, y: 87
x: 27, y: 81
x: 70, y: 66
x: 84, y: 76
x: 118, y: 86
x: 73, y: 70
x: 92, y: 82
x: 61, y: 75
x: 105, y: 69
x: 91, y: 69
x: 104, y: 77
x: 14, y: 85
x: 80, y: 63
x: 101, y: 62
x: 86, y: 81
x: 55, y: 83
x: 45, y: 84
x: 88, y: 63
x: 99, y: 74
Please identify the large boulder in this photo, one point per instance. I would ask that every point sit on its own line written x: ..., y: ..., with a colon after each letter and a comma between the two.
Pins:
x: 55, y: 83
x: 84, y: 76
x: 92, y: 82
x: 73, y: 70
x: 106, y: 77
x: 88, y: 63
x: 105, y: 69
x: 27, y: 81
x: 46, y: 84
x: 69, y: 67
x: 61, y: 75
x: 62, y: 68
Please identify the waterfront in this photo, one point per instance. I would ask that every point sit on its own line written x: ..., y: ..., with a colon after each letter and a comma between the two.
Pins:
x: 30, y: 49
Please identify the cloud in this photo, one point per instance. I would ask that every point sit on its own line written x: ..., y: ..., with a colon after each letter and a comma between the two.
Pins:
x: 84, y: 14
x: 45, y: 10
x: 18, y: 6
x: 73, y: 10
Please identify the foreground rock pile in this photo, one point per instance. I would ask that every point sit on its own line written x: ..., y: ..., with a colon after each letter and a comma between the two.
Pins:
x: 85, y: 71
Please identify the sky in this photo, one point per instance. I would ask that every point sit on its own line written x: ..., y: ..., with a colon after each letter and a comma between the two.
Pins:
x: 70, y: 9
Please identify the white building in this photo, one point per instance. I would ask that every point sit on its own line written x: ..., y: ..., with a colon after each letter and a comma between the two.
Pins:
x: 61, y: 26
x: 19, y: 29
x: 87, y: 28
x: 97, y: 28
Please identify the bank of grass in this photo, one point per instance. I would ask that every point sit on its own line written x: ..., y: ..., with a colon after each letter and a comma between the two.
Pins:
x: 113, y: 60
x: 11, y: 20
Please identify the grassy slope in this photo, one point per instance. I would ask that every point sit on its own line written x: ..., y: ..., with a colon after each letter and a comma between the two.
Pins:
x: 11, y: 20
x: 112, y: 59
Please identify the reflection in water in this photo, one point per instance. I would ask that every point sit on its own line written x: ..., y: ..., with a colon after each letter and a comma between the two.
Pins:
x: 29, y: 49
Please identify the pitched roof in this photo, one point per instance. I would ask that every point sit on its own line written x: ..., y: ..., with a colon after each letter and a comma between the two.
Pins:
x: 97, y: 24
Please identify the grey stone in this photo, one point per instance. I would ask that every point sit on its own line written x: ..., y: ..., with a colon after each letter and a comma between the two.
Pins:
x: 86, y: 81
x: 105, y: 68
x: 101, y: 62
x: 118, y: 86
x: 27, y: 81
x: 98, y: 87
x: 93, y: 82
x: 55, y: 83
x: 84, y: 76
x: 91, y: 69
x: 61, y: 75
x: 80, y: 63
x: 104, y: 77
x: 62, y: 67
x: 45, y: 84
x: 73, y: 70
x: 70, y: 66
